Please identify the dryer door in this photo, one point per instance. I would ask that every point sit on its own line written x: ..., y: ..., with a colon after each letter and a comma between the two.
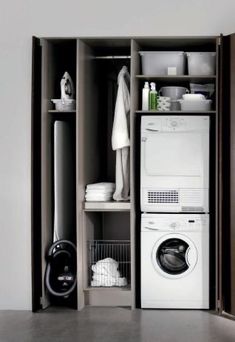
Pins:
x: 174, y: 256
x: 174, y: 154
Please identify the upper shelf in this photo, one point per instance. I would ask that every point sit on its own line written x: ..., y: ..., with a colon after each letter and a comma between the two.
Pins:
x: 178, y: 78
x: 107, y: 206
x: 181, y: 112
x: 61, y: 111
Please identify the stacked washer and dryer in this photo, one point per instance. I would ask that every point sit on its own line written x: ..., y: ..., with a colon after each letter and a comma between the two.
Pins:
x: 175, y: 212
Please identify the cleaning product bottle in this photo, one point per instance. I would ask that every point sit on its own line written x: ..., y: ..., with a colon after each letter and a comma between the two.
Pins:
x: 153, y: 97
x: 145, y: 96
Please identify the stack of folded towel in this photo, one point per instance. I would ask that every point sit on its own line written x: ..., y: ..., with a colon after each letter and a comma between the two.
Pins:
x: 99, y: 192
x: 105, y: 273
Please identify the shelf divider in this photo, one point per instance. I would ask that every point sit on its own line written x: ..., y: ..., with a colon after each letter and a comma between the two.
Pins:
x: 175, y: 112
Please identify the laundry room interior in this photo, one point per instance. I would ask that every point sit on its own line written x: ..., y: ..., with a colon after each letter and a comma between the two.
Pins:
x: 117, y: 171
x: 131, y: 133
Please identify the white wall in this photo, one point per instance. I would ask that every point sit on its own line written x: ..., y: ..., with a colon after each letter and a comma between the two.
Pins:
x: 21, y: 19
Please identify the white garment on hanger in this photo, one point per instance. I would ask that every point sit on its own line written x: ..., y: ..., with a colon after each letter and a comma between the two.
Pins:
x: 120, y: 137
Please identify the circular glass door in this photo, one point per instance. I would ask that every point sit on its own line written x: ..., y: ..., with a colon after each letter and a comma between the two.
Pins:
x: 174, y: 256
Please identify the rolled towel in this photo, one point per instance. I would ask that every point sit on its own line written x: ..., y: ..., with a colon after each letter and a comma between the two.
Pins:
x: 99, y: 192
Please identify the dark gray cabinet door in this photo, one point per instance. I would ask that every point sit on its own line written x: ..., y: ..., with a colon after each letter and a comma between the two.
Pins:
x: 36, y: 174
x: 227, y: 175
x: 232, y: 173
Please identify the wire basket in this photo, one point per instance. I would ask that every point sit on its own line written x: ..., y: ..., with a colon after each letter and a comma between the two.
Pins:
x: 109, y: 263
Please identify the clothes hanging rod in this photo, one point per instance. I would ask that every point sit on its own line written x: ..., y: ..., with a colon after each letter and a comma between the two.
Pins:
x: 112, y: 57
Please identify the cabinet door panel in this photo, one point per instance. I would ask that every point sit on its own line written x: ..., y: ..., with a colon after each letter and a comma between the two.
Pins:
x: 232, y: 173
x: 36, y: 174
x: 227, y: 176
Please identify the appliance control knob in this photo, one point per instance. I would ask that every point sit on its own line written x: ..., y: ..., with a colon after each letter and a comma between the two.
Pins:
x: 173, y: 224
x: 174, y: 123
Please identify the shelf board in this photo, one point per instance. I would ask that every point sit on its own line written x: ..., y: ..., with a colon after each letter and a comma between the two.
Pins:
x: 179, y: 78
x: 107, y: 206
x: 61, y: 111
x: 175, y: 112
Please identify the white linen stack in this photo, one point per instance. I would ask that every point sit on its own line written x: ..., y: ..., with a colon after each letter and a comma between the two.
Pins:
x: 105, y: 273
x: 99, y: 192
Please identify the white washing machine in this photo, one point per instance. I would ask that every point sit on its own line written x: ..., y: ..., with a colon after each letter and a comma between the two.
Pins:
x: 175, y: 261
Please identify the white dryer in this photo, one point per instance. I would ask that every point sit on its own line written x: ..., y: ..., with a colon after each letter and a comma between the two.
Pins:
x: 175, y: 261
x: 174, y: 163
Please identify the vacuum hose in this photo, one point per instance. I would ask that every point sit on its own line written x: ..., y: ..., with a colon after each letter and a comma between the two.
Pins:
x: 65, y: 279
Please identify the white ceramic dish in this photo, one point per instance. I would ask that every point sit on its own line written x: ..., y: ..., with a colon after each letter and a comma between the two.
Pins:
x: 65, y: 105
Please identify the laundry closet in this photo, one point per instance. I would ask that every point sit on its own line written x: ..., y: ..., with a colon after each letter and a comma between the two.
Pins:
x: 112, y: 229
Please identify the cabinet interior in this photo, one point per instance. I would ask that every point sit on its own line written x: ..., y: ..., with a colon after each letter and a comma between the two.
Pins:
x: 94, y: 65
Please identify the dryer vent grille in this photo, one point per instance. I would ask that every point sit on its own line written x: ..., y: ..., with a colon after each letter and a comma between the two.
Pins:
x: 170, y: 196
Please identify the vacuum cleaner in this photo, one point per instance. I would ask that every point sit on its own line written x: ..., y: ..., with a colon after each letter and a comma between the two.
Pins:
x: 60, y: 276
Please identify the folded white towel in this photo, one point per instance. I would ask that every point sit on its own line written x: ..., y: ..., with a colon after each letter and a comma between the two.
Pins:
x: 108, y: 267
x: 98, y: 198
x: 101, y: 186
x: 99, y: 192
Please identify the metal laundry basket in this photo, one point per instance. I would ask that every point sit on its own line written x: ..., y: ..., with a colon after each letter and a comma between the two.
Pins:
x: 119, y: 250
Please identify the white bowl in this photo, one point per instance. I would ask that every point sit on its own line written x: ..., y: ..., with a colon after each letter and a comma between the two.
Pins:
x: 193, y: 97
x: 65, y: 105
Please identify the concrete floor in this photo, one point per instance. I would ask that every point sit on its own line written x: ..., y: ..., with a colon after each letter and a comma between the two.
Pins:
x: 115, y: 324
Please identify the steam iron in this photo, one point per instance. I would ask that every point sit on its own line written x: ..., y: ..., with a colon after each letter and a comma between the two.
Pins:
x: 66, y: 87
x: 67, y: 101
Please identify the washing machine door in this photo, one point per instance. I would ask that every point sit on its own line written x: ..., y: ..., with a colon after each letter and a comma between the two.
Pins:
x: 174, y: 256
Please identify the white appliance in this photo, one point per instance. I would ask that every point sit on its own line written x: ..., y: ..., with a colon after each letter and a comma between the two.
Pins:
x: 175, y: 261
x: 175, y: 163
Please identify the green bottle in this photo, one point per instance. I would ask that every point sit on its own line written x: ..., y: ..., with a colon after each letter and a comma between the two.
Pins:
x: 153, y: 97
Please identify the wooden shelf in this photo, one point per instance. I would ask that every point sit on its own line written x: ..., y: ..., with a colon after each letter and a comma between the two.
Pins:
x: 61, y: 111
x: 178, y: 78
x: 107, y: 206
x: 175, y: 112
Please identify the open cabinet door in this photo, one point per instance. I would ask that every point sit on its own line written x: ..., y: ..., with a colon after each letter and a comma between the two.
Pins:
x: 226, y: 226
x: 231, y: 242
x: 36, y: 174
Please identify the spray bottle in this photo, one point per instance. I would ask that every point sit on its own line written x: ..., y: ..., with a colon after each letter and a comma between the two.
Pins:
x: 153, y: 97
x: 145, y: 96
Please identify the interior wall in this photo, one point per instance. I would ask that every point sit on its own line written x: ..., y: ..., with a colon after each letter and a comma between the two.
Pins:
x: 21, y: 19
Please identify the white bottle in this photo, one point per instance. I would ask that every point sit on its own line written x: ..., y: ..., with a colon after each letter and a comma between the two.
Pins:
x: 145, y: 96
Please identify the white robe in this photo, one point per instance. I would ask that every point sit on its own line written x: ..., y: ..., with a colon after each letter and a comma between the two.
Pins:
x: 120, y: 137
